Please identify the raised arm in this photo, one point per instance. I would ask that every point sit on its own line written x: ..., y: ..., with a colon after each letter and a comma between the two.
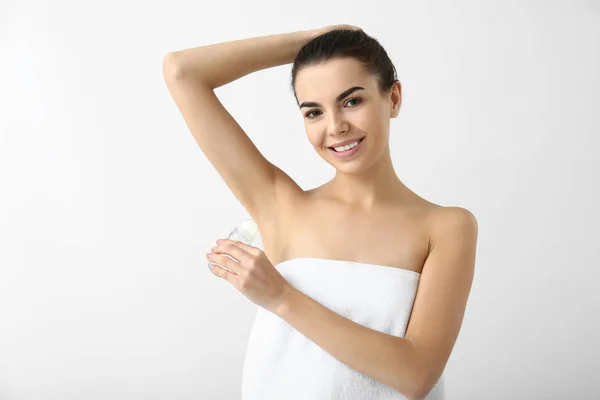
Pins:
x: 192, y: 75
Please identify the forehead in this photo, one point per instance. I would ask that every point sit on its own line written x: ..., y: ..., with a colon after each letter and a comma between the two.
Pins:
x: 327, y: 80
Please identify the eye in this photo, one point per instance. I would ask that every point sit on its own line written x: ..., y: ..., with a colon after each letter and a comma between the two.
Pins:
x: 354, y: 98
x: 308, y: 114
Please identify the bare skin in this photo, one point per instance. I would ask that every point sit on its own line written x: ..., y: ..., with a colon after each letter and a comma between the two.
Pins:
x: 395, y: 235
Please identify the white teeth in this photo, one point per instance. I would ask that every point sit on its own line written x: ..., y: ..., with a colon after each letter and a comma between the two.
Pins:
x: 347, y: 147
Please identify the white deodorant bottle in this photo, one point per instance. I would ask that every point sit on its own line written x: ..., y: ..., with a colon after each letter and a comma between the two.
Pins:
x: 245, y: 232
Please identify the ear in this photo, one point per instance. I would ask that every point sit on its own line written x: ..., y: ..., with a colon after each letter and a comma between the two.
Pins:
x: 395, y: 99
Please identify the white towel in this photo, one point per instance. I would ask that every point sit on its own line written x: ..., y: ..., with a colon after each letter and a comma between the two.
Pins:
x: 283, y: 364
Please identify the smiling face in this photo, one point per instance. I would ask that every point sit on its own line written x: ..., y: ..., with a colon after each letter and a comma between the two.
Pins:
x: 339, y: 100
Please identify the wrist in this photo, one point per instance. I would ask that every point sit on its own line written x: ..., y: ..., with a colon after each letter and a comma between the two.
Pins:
x: 285, y: 301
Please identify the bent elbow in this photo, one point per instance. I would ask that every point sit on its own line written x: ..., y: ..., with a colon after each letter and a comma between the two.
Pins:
x: 422, y: 381
x: 423, y: 387
x: 171, y: 68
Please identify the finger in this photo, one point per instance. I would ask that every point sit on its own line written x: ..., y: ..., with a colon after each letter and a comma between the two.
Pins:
x: 249, y: 250
x: 349, y: 27
x: 220, y: 272
x: 233, y: 266
x: 238, y: 250
x: 241, y: 257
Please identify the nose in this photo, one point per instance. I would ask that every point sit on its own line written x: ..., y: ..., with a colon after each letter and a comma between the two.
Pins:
x: 337, y: 124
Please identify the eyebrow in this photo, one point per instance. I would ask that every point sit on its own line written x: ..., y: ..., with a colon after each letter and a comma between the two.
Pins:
x: 340, y: 97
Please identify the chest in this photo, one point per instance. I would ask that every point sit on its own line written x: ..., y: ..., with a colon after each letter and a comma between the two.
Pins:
x: 315, y: 229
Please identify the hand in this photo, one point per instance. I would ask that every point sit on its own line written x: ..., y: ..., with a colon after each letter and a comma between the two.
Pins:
x: 253, y: 275
x: 320, y: 31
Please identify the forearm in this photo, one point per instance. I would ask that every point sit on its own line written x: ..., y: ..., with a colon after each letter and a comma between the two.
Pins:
x: 221, y: 63
x: 389, y: 359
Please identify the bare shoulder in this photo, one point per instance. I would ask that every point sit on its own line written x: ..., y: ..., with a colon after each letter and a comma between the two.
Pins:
x: 449, y: 221
x: 453, y: 214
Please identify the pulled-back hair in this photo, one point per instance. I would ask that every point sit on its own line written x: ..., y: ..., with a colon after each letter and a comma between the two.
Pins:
x: 347, y: 43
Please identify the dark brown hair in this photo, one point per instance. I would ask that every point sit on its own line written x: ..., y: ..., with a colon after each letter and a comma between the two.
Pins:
x: 347, y: 43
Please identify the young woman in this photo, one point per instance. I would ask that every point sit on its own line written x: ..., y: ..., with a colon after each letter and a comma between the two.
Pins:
x: 363, y: 284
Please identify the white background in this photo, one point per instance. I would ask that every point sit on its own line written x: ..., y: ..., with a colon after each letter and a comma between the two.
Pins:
x: 107, y: 204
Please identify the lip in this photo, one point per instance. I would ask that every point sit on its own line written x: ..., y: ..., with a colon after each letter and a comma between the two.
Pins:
x: 348, y: 153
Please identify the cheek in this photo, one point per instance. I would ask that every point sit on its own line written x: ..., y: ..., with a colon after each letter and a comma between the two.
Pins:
x: 381, y: 116
x: 367, y: 114
x: 313, y: 137
x: 368, y: 121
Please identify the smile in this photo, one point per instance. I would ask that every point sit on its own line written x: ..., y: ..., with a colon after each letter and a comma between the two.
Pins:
x: 349, y: 152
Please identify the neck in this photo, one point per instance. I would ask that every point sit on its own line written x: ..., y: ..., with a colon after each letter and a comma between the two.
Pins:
x: 375, y: 186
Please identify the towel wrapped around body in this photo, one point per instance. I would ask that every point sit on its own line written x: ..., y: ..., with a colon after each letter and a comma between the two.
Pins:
x: 283, y: 364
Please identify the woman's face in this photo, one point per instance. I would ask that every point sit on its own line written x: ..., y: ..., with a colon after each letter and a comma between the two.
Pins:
x: 331, y: 114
